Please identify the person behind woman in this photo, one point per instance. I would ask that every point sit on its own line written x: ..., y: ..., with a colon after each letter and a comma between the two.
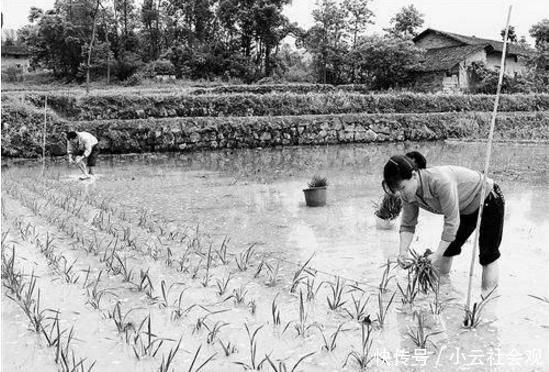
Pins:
x: 454, y: 192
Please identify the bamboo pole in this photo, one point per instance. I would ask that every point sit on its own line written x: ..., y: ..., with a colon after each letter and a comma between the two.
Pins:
x: 487, y: 163
x: 44, y: 136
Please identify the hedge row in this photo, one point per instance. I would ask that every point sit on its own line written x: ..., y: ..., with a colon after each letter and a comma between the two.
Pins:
x: 22, y: 135
x: 158, y: 106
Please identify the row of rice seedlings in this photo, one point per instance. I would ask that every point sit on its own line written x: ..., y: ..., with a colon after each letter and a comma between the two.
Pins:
x: 330, y: 341
x: 335, y: 299
x: 419, y: 336
x: 302, y: 273
x: 283, y: 367
x: 243, y: 259
x: 23, y: 294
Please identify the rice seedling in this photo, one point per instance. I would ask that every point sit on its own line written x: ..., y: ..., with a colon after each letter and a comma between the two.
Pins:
x: 120, y: 321
x: 272, y: 274
x: 438, y: 306
x: 169, y: 258
x: 283, y: 367
x: 222, y: 251
x: 301, y: 326
x: 94, y: 294
x: 312, y: 291
x: 335, y: 301
x: 144, y: 284
x: 419, y: 336
x: 254, y: 364
x: 69, y: 363
x: 223, y: 284
x: 386, y: 277
x: 243, y: 259
x: 363, y: 357
x: 206, y: 279
x: 259, y: 268
x: 330, y: 342
x: 410, y: 293
x: 53, y: 337
x: 383, y: 310
x: 196, y: 269
x: 228, y: 348
x: 149, y: 345
x: 165, y: 293
x: 252, y: 305
x: 122, y: 269
x: 301, y: 275
x: 238, y: 296
x: 67, y: 271
x: 422, y: 268
x: 275, y: 312
x: 180, y: 311
x: 473, y: 316
x: 195, y: 358
x: 213, y: 331
x: 167, y: 361
x: 358, y: 310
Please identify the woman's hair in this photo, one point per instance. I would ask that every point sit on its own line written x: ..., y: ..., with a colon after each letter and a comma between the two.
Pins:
x: 401, y: 167
x: 71, y: 134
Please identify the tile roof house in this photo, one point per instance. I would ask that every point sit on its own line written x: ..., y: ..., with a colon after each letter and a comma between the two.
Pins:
x: 448, y: 55
x: 15, y: 56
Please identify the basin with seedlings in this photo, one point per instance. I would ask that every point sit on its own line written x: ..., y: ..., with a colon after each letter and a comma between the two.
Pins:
x: 315, y: 194
x: 387, y: 211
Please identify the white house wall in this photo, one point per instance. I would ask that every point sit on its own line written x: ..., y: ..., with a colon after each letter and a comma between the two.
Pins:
x: 511, y: 66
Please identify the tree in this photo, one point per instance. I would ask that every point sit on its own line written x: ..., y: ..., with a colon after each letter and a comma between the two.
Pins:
x: 407, y: 21
x: 540, y: 32
x: 35, y: 14
x: 511, y: 35
x: 326, y: 40
x: 386, y: 61
x: 359, y: 17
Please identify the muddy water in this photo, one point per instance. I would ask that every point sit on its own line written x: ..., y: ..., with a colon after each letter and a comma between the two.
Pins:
x: 255, y: 196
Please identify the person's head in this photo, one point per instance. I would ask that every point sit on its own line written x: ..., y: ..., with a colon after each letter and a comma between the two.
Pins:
x: 72, y: 136
x: 400, y: 174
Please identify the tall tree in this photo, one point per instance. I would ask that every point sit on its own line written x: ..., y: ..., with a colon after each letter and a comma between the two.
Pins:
x: 325, y: 40
x: 359, y: 17
x: 407, y: 21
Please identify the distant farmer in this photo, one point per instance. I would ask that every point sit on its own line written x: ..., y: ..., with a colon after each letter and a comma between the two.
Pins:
x: 84, y: 146
x: 454, y: 192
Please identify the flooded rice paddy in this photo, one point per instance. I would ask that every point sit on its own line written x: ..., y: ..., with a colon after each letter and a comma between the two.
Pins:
x: 160, y: 234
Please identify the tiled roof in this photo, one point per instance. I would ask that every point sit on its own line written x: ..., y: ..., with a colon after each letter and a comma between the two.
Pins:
x: 443, y: 59
x: 512, y: 48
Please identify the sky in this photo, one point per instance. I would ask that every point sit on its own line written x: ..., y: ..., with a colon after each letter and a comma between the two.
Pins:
x: 481, y: 18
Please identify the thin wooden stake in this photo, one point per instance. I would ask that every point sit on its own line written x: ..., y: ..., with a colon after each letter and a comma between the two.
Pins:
x: 487, y: 162
x: 44, y: 136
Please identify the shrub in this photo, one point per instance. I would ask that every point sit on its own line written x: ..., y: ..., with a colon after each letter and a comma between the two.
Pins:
x: 158, y: 67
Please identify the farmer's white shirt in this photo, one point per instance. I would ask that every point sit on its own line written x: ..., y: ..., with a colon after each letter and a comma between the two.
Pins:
x: 85, y: 143
x: 449, y: 190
